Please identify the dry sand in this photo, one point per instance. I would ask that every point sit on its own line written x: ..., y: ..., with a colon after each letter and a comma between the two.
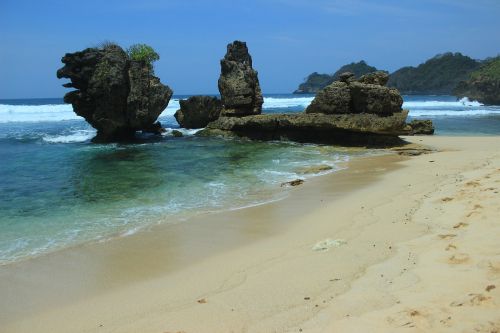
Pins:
x: 391, y: 244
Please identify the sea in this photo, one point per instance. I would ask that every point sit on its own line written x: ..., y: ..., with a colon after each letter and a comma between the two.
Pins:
x: 58, y: 190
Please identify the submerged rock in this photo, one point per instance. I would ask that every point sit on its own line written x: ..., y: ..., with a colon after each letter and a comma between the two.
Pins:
x: 422, y: 127
x: 115, y: 95
x: 295, y: 182
x: 177, y: 134
x: 198, y: 111
x: 238, y: 83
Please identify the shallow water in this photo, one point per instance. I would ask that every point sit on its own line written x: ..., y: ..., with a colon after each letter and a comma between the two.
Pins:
x: 58, y: 189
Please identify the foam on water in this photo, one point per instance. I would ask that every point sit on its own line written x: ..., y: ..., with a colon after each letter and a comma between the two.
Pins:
x: 54, y: 112
x: 79, y: 192
x: 36, y: 113
x: 278, y: 103
x: 464, y: 102
x: 453, y: 113
x: 72, y: 137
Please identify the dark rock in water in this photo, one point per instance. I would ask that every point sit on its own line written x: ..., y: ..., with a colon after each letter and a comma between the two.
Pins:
x: 295, y: 182
x: 147, y: 97
x: 422, y: 127
x: 238, y: 83
x: 349, y: 129
x: 115, y: 95
x: 198, y: 111
x: 177, y: 134
x: 483, y: 84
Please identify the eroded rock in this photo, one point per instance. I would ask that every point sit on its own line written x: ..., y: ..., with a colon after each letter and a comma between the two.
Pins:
x: 198, y: 111
x: 422, y: 127
x: 238, y: 83
x: 115, y: 95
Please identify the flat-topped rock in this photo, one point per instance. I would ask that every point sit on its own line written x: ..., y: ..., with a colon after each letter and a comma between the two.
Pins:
x: 350, y: 129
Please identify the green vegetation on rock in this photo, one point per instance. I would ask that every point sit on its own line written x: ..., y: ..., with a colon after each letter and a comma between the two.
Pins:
x: 438, y: 75
x: 483, y: 84
x: 315, y: 81
x: 490, y: 69
x: 143, y: 52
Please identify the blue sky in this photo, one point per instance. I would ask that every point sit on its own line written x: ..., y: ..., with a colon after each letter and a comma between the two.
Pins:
x: 288, y: 39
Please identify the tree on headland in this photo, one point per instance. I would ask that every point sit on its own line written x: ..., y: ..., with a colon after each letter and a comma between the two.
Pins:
x: 143, y: 52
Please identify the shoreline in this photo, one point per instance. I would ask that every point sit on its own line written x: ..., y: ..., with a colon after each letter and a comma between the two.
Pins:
x: 260, y: 274
x: 279, y: 193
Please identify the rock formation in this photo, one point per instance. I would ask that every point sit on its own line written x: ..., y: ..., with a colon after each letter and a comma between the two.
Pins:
x: 348, y: 129
x: 420, y: 127
x: 238, y: 83
x: 349, y: 111
x: 366, y: 95
x: 198, y: 111
x: 116, y: 95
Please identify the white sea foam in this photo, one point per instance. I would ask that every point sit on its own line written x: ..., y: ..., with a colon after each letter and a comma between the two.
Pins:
x: 73, y: 137
x: 184, y: 131
x: 454, y: 113
x: 464, y: 102
x: 173, y: 106
x: 277, y: 102
x: 53, y: 112
x: 36, y: 113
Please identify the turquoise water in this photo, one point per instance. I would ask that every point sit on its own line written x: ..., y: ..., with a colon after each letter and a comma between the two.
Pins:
x: 58, y: 189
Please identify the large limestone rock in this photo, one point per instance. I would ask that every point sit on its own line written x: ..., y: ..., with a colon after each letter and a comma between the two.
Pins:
x: 349, y: 111
x: 366, y: 95
x: 115, y: 95
x: 334, y: 99
x: 373, y: 98
x: 349, y: 129
x: 238, y: 83
x: 198, y: 111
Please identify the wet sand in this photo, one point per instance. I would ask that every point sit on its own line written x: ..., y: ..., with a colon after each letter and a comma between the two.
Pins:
x: 392, y: 243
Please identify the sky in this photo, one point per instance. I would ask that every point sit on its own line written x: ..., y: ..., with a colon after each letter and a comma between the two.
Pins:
x: 288, y: 39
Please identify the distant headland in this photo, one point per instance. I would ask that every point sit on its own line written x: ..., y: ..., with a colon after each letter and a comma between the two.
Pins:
x: 443, y: 74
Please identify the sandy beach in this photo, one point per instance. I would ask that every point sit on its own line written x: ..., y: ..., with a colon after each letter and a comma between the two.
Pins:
x: 392, y: 243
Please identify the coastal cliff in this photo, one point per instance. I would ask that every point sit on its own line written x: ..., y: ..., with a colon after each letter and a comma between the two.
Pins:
x: 483, y: 84
x: 437, y: 76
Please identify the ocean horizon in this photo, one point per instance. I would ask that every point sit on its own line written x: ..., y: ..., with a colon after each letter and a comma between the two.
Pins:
x: 60, y: 190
